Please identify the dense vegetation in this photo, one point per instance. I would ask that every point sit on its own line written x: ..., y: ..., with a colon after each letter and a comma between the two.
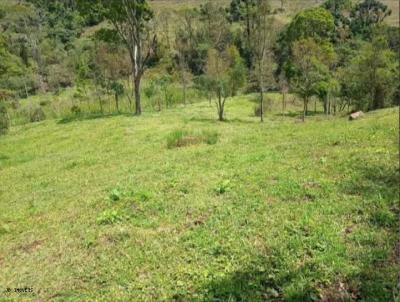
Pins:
x: 199, y: 150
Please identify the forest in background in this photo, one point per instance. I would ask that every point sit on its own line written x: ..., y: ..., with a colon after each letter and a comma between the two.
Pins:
x: 69, y: 54
x: 61, y: 58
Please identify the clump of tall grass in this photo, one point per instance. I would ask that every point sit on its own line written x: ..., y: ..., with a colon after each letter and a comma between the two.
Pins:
x: 182, y: 138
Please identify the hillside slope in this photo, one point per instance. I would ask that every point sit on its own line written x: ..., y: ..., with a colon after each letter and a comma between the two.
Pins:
x: 102, y: 209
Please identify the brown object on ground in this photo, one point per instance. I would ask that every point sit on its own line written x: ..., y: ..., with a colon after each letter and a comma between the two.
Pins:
x: 356, y: 115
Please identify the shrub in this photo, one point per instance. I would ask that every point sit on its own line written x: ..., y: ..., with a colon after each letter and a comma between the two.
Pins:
x: 44, y: 103
x: 223, y: 187
x: 75, y: 109
x: 4, y: 119
x: 36, y: 114
x: 115, y: 194
x: 181, y: 138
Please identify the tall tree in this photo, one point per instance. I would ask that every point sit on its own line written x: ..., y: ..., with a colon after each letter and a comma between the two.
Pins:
x: 131, y: 21
x: 261, y: 46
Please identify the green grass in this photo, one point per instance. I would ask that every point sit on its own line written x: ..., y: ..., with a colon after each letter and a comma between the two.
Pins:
x: 102, y: 210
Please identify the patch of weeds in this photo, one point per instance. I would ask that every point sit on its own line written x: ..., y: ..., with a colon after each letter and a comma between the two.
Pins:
x: 115, y: 194
x: 109, y: 217
x: 383, y: 218
x: 142, y: 196
x: 223, y: 187
x: 210, y: 137
x: 182, y: 138
x: 184, y: 190
x: 4, y: 229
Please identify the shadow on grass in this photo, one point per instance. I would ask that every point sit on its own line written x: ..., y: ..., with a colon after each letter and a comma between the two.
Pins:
x: 93, y: 116
x: 299, y: 114
x: 270, y: 277
x: 227, y: 121
x: 264, y: 280
x: 378, y: 188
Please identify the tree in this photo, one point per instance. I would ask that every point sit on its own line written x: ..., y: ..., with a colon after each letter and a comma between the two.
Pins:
x: 217, y: 70
x: 366, y: 15
x: 237, y: 73
x: 181, y: 62
x: 131, y: 22
x: 371, y: 78
x: 316, y: 23
x: 311, y: 63
x: 261, y: 48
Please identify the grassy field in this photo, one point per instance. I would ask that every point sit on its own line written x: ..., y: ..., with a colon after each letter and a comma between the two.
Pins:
x: 109, y: 209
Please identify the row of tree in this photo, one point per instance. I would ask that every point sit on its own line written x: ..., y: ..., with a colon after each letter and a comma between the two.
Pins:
x: 339, y: 52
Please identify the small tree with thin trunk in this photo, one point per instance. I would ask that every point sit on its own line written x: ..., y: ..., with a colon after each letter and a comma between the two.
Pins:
x: 261, y: 47
x: 216, y: 70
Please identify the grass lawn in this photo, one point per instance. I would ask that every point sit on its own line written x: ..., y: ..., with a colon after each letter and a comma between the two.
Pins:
x: 103, y: 209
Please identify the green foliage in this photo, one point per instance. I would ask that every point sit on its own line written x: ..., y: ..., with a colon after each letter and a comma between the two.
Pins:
x: 109, y: 217
x: 311, y: 62
x: 223, y: 187
x: 4, y: 118
x: 115, y: 194
x: 366, y: 15
x: 371, y: 78
x: 35, y: 113
x: 75, y: 109
x: 317, y: 23
x: 182, y: 138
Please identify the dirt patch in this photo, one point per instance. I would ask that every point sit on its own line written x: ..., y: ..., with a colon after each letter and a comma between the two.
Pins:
x: 30, y: 247
x: 338, y: 292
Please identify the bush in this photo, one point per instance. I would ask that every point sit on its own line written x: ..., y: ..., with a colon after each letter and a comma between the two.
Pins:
x: 36, y: 114
x: 44, y: 103
x: 115, y: 194
x: 75, y: 109
x: 181, y: 138
x: 4, y: 119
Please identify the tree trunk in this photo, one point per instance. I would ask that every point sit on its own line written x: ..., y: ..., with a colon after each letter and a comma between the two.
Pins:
x: 138, y: 105
x: 315, y: 106
x: 261, y: 104
x: 101, y: 105
x: 117, y: 102
x: 283, y: 102
x: 220, y: 108
x: 184, y: 92
x: 305, y: 109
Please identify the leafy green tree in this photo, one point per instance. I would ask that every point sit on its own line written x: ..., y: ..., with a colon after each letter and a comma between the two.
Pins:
x: 371, y: 78
x: 366, y: 15
x: 316, y: 23
x: 237, y: 71
x: 311, y: 61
